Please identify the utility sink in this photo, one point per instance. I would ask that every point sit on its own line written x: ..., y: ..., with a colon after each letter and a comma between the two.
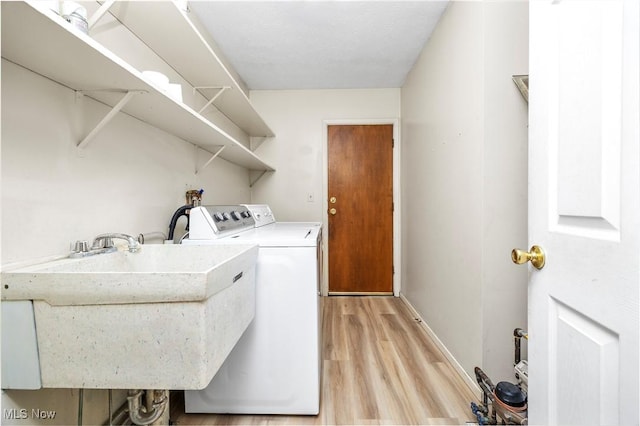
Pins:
x: 165, y: 317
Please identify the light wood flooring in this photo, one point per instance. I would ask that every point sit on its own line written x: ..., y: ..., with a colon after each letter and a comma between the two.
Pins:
x: 379, y: 367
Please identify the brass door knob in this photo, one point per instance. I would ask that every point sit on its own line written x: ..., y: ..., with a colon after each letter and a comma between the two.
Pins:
x: 535, y: 256
x: 333, y: 211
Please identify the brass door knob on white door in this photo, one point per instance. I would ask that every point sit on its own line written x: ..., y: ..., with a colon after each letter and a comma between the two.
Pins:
x: 535, y: 256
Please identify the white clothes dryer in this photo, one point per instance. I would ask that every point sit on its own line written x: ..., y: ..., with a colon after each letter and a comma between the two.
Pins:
x: 275, y: 367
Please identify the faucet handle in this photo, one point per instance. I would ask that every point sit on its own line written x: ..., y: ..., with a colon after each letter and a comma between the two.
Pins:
x: 81, y: 246
x: 102, y: 242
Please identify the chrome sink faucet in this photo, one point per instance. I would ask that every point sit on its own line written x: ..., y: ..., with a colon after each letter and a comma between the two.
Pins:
x: 106, y: 241
x: 103, y: 243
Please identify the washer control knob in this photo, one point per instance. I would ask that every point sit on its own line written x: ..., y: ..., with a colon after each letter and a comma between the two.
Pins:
x: 226, y: 216
x: 217, y: 216
x: 236, y: 215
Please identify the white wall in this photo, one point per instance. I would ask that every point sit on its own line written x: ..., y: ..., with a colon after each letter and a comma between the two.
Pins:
x: 505, y: 207
x: 297, y: 118
x: 130, y: 178
x: 465, y: 173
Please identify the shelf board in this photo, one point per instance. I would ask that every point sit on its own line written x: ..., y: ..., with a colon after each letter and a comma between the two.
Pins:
x: 43, y: 42
x: 189, y: 53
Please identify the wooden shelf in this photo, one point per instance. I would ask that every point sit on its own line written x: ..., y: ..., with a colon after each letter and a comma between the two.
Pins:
x: 182, y: 45
x: 43, y: 42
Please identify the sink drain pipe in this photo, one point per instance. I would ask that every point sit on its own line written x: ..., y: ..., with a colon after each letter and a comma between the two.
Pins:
x: 119, y: 417
x: 80, y: 405
x: 152, y: 412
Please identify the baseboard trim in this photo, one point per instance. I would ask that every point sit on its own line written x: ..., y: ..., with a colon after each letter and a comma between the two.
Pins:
x: 471, y: 383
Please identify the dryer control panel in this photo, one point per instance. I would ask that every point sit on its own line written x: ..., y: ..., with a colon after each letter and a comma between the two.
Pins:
x: 262, y: 214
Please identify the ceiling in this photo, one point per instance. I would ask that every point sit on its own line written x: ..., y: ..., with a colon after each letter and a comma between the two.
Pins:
x: 320, y: 44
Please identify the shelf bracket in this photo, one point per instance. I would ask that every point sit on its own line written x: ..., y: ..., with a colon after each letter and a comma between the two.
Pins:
x: 253, y: 182
x: 213, y: 157
x: 107, y: 118
x: 104, y: 8
x: 256, y: 141
x: 221, y: 90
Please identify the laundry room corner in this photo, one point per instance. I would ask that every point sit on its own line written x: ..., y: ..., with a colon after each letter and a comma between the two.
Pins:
x: 299, y: 119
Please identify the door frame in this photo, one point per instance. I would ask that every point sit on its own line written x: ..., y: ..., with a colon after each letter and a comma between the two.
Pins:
x: 397, y: 211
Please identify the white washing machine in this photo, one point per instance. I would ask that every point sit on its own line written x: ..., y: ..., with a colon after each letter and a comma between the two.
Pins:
x: 275, y: 367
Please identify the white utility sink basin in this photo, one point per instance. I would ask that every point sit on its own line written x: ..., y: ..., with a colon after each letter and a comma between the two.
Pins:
x: 165, y: 317
x: 157, y: 273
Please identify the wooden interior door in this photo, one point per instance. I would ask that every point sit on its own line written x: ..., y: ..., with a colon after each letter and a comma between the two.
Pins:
x: 360, y: 216
x: 584, y: 211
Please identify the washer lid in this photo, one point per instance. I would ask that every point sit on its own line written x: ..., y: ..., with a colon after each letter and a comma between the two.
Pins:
x: 273, y: 236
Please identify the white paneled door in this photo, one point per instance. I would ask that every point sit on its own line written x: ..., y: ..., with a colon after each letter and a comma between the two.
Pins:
x: 584, y: 211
